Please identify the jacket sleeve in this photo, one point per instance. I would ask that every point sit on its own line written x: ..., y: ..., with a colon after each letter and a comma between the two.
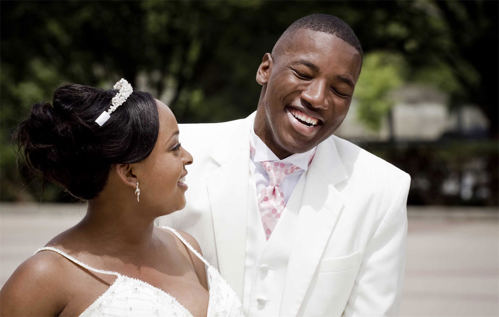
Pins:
x: 378, y: 286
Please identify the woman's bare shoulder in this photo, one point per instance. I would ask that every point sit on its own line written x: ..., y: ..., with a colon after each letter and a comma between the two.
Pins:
x: 43, y: 275
x: 187, y: 237
x: 198, y: 264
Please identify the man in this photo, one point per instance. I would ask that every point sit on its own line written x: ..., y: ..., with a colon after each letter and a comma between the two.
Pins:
x: 299, y: 221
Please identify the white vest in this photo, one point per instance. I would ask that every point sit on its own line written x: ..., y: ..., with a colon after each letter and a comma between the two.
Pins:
x: 267, y: 260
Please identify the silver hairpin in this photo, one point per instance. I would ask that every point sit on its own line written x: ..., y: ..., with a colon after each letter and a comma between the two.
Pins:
x: 124, y: 91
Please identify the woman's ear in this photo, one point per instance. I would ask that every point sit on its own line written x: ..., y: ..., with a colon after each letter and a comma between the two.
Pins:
x: 126, y: 175
x: 264, y: 70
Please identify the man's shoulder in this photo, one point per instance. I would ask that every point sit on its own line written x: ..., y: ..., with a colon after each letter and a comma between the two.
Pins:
x: 359, y: 160
x: 211, y: 127
x: 204, y: 138
x: 205, y: 131
x: 369, y: 177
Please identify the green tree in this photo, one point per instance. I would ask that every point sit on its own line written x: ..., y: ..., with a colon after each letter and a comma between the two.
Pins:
x: 381, y: 74
x: 200, y: 57
x: 450, y: 44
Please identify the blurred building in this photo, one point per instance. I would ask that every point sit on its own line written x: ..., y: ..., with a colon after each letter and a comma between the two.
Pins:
x: 420, y: 114
x: 445, y: 150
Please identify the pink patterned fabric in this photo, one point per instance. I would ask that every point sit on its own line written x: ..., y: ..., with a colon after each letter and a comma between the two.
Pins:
x: 271, y: 199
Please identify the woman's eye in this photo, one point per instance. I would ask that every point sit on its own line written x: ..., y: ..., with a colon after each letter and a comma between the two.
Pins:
x: 176, y: 147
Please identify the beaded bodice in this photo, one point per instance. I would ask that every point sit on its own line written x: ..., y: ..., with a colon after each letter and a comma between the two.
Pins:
x: 128, y: 296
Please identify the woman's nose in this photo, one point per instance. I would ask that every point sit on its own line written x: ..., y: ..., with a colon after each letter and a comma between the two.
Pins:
x: 187, y: 157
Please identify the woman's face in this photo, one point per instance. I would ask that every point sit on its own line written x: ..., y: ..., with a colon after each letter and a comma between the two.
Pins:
x: 161, y: 174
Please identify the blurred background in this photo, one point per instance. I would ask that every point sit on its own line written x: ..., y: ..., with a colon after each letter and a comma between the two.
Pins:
x: 427, y: 98
x: 426, y: 101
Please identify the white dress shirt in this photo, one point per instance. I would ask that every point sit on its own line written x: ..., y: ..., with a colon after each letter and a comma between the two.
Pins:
x: 263, y: 153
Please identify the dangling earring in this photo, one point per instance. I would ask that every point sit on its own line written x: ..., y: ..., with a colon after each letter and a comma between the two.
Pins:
x: 137, y: 191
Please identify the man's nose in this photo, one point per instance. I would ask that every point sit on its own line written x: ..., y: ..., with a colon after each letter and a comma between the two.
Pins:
x: 315, y: 94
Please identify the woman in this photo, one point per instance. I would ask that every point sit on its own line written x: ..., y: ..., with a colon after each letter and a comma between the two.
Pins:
x: 119, y: 150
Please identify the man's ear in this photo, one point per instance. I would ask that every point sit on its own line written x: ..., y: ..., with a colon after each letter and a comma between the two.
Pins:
x: 125, y: 174
x: 264, y: 70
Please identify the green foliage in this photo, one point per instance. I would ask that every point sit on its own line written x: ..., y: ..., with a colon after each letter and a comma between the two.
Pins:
x: 439, y: 75
x: 382, y: 72
x: 200, y: 57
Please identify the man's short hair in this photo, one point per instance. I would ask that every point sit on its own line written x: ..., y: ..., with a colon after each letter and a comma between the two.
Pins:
x: 329, y: 24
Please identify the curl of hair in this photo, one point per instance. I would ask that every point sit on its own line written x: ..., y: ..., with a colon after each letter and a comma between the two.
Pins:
x: 64, y: 144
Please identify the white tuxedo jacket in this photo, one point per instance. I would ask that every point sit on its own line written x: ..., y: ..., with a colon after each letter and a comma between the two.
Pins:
x: 348, y: 253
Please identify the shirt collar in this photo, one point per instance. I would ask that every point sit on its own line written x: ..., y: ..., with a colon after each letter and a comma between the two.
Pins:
x: 260, y: 152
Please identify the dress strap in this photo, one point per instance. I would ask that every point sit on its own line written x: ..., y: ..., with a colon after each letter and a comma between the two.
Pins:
x: 179, y: 236
x: 76, y: 261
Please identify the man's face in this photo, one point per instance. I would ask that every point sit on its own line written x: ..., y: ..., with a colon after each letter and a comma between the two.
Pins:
x: 308, y: 85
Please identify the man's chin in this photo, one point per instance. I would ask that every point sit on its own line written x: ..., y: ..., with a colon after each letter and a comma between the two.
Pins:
x: 292, y: 147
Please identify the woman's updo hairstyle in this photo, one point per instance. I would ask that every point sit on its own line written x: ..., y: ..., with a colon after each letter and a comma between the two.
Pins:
x: 63, y: 142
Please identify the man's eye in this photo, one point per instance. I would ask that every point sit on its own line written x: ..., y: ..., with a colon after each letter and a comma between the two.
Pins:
x: 342, y: 95
x: 302, y: 75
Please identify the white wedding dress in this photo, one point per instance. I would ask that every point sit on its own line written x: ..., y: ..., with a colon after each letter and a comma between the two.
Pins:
x: 132, y: 297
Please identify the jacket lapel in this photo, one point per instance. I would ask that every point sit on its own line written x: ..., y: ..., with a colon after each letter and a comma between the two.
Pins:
x: 228, y: 193
x: 321, y: 207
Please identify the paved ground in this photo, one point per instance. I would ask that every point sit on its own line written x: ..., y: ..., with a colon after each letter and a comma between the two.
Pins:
x: 452, y: 260
x: 452, y: 263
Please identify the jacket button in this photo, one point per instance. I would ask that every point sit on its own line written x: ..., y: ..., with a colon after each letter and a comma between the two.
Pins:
x: 264, y: 270
x: 260, y: 303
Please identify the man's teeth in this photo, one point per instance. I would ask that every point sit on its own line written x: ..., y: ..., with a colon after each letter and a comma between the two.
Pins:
x: 304, y: 118
x: 182, y: 180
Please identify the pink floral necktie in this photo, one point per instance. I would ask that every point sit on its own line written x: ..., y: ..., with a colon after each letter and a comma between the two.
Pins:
x: 271, y: 199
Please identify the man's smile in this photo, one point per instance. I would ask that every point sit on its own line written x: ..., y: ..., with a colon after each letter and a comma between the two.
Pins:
x: 304, y: 118
x: 302, y: 123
